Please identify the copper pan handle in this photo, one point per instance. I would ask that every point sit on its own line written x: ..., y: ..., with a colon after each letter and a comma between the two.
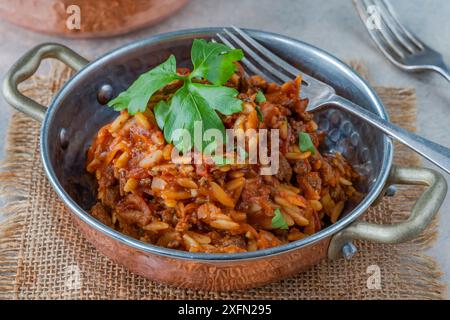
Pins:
x: 422, y: 212
x: 26, y: 66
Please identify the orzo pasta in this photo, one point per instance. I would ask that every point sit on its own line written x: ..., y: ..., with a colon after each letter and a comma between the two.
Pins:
x: 223, y: 208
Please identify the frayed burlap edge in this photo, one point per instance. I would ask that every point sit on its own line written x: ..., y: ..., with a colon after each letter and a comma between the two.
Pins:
x: 14, y: 186
x: 419, y: 270
x: 15, y: 183
x: 419, y: 273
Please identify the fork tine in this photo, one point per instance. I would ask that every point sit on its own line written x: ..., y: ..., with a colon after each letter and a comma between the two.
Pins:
x: 396, y: 31
x: 268, y: 54
x: 245, y: 61
x: 394, y: 16
x: 385, y: 32
x: 376, y: 36
x: 257, y: 58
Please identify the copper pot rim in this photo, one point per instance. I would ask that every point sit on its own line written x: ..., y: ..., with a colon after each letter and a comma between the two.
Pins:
x: 136, y: 25
x: 370, y: 197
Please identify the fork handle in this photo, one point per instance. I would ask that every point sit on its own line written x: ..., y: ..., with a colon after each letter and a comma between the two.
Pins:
x: 434, y: 152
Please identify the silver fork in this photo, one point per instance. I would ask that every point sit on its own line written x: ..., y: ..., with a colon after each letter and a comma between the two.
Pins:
x: 398, y: 44
x: 260, y: 60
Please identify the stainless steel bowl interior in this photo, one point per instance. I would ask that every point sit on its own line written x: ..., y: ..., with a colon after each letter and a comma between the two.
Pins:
x: 76, y: 110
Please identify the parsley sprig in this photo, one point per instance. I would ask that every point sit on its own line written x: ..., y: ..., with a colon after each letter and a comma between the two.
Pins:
x: 193, y: 101
x: 305, y: 143
x: 278, y: 221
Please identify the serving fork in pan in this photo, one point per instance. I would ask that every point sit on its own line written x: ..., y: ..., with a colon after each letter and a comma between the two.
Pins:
x: 260, y: 60
x: 398, y: 44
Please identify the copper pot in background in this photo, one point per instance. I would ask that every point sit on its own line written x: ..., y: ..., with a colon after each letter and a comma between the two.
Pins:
x: 99, y: 18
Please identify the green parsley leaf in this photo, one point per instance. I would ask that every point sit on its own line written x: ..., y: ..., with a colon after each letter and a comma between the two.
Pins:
x: 186, y: 107
x: 260, y: 97
x: 213, y: 61
x: 260, y: 114
x: 161, y: 109
x: 193, y: 102
x: 305, y: 143
x: 222, y: 99
x: 136, y: 97
x: 278, y: 221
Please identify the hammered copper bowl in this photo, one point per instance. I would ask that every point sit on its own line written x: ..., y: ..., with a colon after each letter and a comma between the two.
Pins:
x: 76, y: 114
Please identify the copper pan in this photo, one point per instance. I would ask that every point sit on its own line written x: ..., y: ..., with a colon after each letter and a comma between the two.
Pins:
x: 87, y: 18
x: 77, y: 112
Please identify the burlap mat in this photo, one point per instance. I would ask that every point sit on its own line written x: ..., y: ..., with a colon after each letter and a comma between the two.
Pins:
x: 43, y: 256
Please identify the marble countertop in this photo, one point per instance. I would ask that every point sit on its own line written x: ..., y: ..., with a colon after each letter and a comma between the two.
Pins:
x: 330, y: 25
